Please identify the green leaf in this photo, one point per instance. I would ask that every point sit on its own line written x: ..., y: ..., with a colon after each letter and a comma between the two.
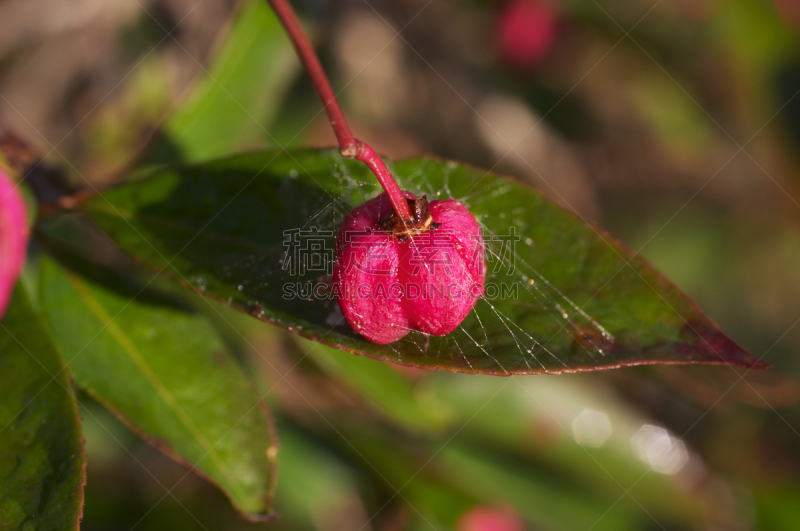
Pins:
x: 238, y: 97
x: 561, y: 295
x: 316, y: 484
x: 485, y: 477
x: 162, y: 369
x: 558, y: 505
x: 42, y: 462
x: 508, y: 415
x: 384, y: 388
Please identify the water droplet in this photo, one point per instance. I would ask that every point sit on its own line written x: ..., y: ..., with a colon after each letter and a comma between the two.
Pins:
x: 272, y: 453
x: 256, y: 309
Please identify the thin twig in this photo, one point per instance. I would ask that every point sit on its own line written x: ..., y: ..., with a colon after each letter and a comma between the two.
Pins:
x: 349, y: 145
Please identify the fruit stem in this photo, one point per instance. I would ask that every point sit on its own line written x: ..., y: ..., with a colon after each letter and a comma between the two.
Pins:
x: 349, y: 145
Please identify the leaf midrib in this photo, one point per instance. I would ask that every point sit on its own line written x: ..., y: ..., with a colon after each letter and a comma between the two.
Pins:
x: 130, y: 349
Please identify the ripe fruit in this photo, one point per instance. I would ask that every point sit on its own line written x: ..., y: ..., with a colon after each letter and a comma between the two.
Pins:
x: 402, y: 264
x: 13, y: 237
x: 527, y: 30
x: 483, y: 518
x: 393, y: 276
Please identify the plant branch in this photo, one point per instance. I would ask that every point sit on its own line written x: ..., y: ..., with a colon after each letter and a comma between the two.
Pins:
x: 349, y: 145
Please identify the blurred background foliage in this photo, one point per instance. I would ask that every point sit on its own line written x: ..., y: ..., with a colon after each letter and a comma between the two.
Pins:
x: 674, y: 124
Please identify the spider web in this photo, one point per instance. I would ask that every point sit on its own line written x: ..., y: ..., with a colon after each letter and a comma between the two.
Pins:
x: 493, y: 338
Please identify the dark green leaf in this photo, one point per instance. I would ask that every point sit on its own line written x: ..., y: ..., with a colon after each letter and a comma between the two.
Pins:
x: 42, y: 462
x: 163, y: 370
x: 574, y: 298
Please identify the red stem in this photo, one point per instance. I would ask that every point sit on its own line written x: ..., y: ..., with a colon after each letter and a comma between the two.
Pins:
x: 349, y: 145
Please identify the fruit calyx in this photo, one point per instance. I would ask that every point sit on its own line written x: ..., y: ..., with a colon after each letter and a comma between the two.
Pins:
x: 421, y: 221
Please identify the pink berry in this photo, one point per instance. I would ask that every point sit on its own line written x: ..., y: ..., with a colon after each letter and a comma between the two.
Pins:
x: 391, y: 278
x: 526, y: 32
x: 789, y: 10
x: 484, y: 518
x: 13, y: 237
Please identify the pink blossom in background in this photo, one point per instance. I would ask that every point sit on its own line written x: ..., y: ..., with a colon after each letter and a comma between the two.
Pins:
x: 490, y: 519
x: 526, y: 32
x: 13, y: 237
x: 789, y: 10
